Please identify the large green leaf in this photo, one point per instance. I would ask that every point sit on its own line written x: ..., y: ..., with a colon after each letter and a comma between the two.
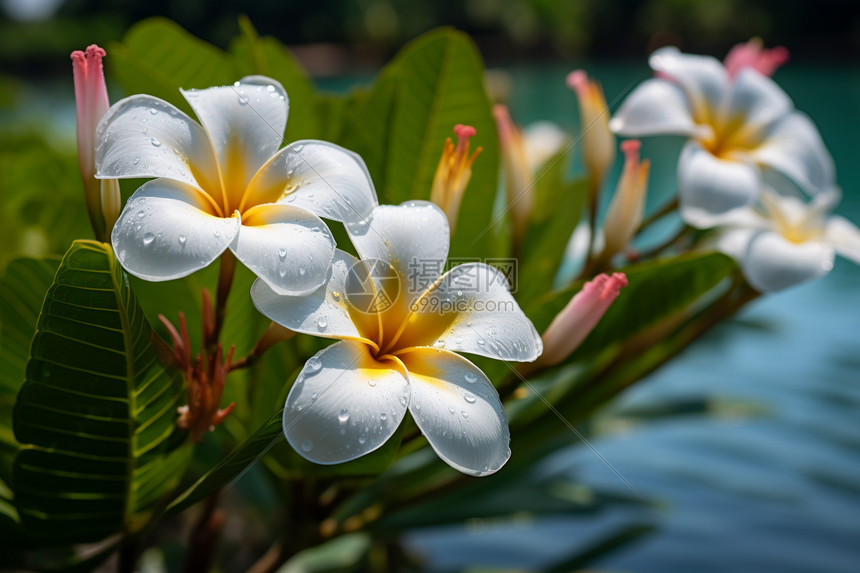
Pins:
x: 22, y: 289
x: 401, y: 124
x: 96, y: 415
x: 269, y: 57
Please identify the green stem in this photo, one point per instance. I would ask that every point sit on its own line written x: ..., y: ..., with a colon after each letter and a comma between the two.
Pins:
x: 658, y: 214
x: 226, y: 272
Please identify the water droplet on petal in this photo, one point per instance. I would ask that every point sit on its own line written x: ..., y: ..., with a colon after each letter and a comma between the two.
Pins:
x: 403, y: 401
x: 469, y: 398
x: 383, y: 417
x: 481, y: 341
x: 362, y: 439
x: 451, y: 410
x: 217, y: 233
x: 322, y: 323
x: 136, y: 160
x: 153, y: 111
x: 471, y: 378
x: 343, y: 416
x: 313, y: 365
x: 314, y: 396
x: 371, y: 382
x: 335, y: 295
x: 270, y: 88
x: 243, y: 100
x: 141, y: 213
x: 465, y: 414
x: 282, y: 253
x: 439, y: 344
x: 182, y: 240
x: 307, y: 446
x: 148, y: 238
x: 302, y: 269
x: 155, y: 142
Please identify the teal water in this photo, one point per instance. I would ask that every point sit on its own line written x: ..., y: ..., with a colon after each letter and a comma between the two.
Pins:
x: 770, y: 481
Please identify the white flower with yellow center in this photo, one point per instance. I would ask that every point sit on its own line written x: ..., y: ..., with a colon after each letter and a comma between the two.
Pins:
x: 224, y: 184
x: 736, y: 126
x: 785, y: 241
x: 399, y: 320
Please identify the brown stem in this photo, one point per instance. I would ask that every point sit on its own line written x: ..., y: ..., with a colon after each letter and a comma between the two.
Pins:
x: 226, y: 271
x: 658, y: 214
x: 203, y: 541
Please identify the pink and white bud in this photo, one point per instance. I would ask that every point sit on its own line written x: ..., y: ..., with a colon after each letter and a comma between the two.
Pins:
x: 598, y: 152
x: 518, y: 175
x: 576, y: 320
x: 91, y: 99
x: 454, y: 172
x: 628, y: 203
x: 754, y: 55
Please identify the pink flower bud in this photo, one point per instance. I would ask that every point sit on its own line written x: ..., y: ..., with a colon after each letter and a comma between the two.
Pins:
x: 598, y: 152
x: 625, y: 211
x: 754, y: 55
x: 518, y: 176
x: 91, y: 99
x: 454, y: 172
x: 576, y: 320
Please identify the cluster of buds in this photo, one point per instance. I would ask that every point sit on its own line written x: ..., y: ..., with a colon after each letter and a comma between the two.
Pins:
x: 91, y: 100
x: 453, y: 173
x: 204, y: 375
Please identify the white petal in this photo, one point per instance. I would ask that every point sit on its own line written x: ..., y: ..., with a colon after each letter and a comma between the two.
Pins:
x: 471, y: 310
x: 794, y: 147
x: 709, y: 186
x: 734, y: 242
x: 755, y: 101
x: 773, y: 263
x: 844, y: 236
x: 458, y: 411
x: 143, y: 136
x: 323, y: 312
x: 321, y: 177
x: 344, y: 404
x: 703, y: 78
x: 412, y: 237
x: 656, y: 107
x: 168, y: 230
x: 289, y: 248
x: 245, y: 123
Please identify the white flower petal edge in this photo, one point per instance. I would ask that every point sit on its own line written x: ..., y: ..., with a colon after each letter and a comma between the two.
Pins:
x: 168, y: 231
x: 344, y: 404
x: 322, y: 177
x: 656, y: 107
x: 773, y: 263
x: 143, y: 136
x: 844, y: 236
x: 472, y: 305
x: 321, y: 313
x: 703, y: 78
x: 245, y: 123
x: 794, y: 147
x: 709, y: 186
x: 458, y: 411
x: 755, y: 100
x: 412, y: 237
x: 289, y: 248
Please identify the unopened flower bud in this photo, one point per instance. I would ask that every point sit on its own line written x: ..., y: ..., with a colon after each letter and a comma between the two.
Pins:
x: 91, y: 99
x: 598, y: 151
x: 754, y: 55
x: 576, y: 320
x: 453, y: 173
x: 518, y: 176
x: 628, y: 203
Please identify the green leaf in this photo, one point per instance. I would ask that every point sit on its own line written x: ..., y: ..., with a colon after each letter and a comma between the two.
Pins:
x: 269, y: 57
x: 558, y: 209
x: 400, y: 125
x: 96, y: 415
x: 342, y: 554
x: 22, y: 290
x: 157, y: 57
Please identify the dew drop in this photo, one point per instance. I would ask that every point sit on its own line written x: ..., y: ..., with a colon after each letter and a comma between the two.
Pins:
x: 302, y: 269
x: 459, y: 293
x: 182, y: 240
x: 371, y: 383
x: 148, y: 238
x: 307, y: 446
x: 481, y: 341
x: 403, y: 401
x: 343, y: 416
x: 136, y: 160
x: 282, y: 272
x: 313, y: 365
x: 451, y: 410
x: 282, y: 253
x: 362, y: 439
x: 439, y: 344
x: 217, y: 233
x: 314, y: 396
x: 153, y: 111
x: 469, y: 398
x: 270, y: 89
x: 471, y: 378
x: 297, y: 148
x: 243, y: 100
x: 155, y: 142
x: 383, y: 417
x: 322, y: 323
x: 465, y: 413
x: 141, y: 214
x: 335, y: 295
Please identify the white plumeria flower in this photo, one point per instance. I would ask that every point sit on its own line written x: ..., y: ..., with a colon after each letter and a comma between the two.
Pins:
x: 351, y: 397
x: 736, y: 126
x: 224, y: 184
x: 785, y: 241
